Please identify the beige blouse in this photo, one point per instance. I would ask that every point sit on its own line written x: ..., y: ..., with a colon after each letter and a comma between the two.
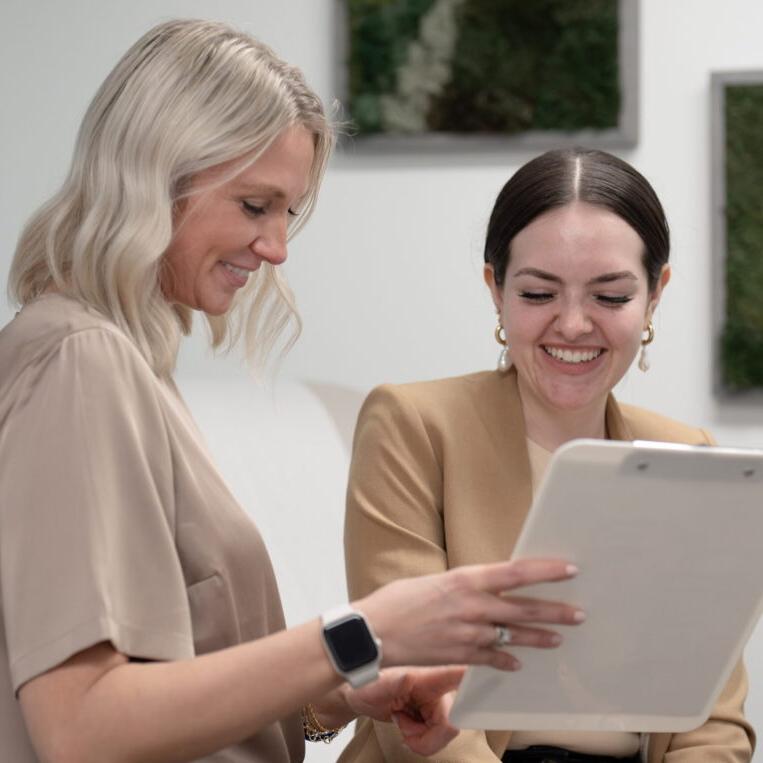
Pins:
x: 114, y: 523
x: 616, y: 743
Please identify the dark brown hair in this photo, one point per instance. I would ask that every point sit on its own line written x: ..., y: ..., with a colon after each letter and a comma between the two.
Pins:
x: 562, y: 176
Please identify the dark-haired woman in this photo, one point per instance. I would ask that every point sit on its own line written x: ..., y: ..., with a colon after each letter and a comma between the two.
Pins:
x: 443, y: 472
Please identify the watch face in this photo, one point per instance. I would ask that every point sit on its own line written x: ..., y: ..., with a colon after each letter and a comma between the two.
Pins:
x: 351, y: 644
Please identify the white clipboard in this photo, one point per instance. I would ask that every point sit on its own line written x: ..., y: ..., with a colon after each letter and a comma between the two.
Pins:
x: 669, y: 542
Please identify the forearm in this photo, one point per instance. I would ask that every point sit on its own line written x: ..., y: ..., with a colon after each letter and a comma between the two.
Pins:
x: 180, y: 711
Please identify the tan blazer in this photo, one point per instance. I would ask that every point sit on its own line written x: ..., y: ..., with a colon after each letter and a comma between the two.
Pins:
x: 440, y: 477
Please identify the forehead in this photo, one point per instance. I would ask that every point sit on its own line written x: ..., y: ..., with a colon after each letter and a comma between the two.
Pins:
x: 578, y: 238
x: 281, y: 171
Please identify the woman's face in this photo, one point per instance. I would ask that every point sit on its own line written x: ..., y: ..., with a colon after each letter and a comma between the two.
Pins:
x: 574, y: 305
x: 224, y: 233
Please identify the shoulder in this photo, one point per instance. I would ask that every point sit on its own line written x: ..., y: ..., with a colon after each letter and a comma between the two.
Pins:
x: 43, y: 326
x: 450, y: 409
x: 648, y: 425
x: 58, y: 336
x: 455, y: 389
x: 438, y: 397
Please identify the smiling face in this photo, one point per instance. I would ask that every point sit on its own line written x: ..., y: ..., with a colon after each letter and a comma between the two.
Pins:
x: 574, y: 304
x: 226, y: 231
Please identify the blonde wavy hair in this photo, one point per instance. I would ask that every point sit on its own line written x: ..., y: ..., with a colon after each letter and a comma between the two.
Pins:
x: 187, y: 96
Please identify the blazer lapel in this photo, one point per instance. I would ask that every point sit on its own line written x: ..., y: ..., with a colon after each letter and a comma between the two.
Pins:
x: 500, y: 458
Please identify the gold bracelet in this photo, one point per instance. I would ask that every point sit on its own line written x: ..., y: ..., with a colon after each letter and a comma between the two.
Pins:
x: 314, y: 730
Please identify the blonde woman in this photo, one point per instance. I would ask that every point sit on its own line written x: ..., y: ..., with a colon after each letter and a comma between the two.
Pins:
x: 139, y: 616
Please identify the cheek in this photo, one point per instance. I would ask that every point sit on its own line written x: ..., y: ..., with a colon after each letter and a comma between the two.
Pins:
x: 626, y: 331
x: 176, y: 263
x: 523, y: 322
x: 181, y: 268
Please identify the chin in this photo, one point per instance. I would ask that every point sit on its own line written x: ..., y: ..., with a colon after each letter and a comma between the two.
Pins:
x: 215, y: 311
x: 215, y: 307
x: 574, y: 399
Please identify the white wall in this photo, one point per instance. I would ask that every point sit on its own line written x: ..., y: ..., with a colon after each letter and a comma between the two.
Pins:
x: 388, y: 273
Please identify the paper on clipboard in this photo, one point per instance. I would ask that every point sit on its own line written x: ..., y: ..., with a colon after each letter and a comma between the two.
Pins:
x: 667, y: 538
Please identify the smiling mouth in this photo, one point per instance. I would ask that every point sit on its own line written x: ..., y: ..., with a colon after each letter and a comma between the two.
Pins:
x: 240, y: 272
x: 572, y: 356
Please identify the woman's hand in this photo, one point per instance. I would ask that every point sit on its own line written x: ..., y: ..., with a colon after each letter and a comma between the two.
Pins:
x: 452, y: 618
x: 417, y: 700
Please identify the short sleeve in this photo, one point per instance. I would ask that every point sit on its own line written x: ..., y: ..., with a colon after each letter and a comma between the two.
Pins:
x: 87, y: 546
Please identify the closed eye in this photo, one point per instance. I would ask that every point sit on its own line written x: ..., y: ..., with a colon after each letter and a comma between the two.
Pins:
x: 252, y: 209
x: 536, y: 296
x: 612, y: 301
x: 255, y: 210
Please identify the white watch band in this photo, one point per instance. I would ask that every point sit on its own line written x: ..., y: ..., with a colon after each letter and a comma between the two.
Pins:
x: 338, y: 613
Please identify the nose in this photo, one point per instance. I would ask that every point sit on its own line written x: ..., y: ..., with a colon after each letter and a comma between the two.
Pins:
x: 270, y: 243
x: 573, y: 320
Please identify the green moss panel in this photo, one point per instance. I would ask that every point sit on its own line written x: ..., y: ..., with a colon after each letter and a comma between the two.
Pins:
x: 541, y: 65
x: 742, y: 341
x: 380, y: 32
x: 517, y: 65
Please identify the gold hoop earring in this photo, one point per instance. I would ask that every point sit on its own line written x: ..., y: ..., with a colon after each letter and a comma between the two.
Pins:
x: 643, y: 359
x: 504, y: 359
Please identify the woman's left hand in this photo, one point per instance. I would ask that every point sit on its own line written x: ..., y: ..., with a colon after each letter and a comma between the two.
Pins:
x: 417, y: 700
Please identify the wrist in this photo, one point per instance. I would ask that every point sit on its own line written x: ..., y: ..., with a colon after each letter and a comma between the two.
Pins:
x: 351, y: 645
x: 334, y: 710
x: 377, y: 619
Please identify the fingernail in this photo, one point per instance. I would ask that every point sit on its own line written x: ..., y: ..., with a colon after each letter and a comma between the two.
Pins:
x: 579, y: 616
x: 516, y: 664
x: 396, y: 719
x: 555, y: 640
x: 571, y: 570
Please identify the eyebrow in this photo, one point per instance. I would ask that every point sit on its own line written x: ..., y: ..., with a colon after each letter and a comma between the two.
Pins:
x: 257, y: 189
x: 604, y: 278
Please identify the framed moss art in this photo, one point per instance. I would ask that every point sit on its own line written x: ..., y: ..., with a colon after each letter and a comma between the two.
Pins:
x: 434, y: 73
x: 738, y: 230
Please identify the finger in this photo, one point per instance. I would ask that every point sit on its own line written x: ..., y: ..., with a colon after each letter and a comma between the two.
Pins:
x: 430, y: 741
x: 495, y: 658
x: 506, y: 576
x: 409, y: 725
x: 488, y: 609
x: 521, y: 635
x: 433, y: 682
x: 511, y: 609
x: 426, y: 736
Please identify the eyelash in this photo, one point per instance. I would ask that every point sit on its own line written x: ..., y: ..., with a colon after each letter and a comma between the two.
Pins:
x: 614, y: 301
x: 256, y: 211
x: 542, y: 297
x: 535, y: 296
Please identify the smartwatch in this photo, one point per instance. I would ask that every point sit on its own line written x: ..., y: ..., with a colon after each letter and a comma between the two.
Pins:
x: 351, y: 645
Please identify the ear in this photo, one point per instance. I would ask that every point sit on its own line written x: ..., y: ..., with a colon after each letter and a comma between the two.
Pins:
x: 656, y: 295
x: 496, y: 292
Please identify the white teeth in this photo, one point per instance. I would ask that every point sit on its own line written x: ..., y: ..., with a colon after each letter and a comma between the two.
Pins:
x: 240, y: 272
x: 572, y: 356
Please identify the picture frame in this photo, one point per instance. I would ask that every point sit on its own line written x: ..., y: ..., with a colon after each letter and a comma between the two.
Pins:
x: 737, y: 217
x: 622, y: 134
